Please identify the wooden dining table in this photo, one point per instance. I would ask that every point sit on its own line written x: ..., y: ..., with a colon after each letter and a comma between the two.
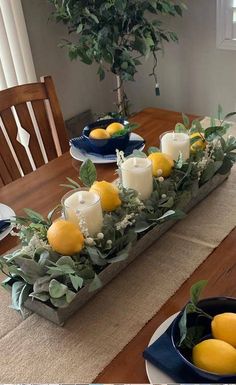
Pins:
x: 41, y: 190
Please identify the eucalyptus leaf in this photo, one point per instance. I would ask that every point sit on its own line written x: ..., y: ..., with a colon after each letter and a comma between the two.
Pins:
x: 53, y: 212
x: 20, y: 292
x: 171, y: 214
x: 208, y: 173
x: 57, y: 289
x: 153, y: 150
x: 44, y: 257
x: 17, y: 287
x: 59, y: 302
x: 70, y: 295
x: 179, y: 127
x: 66, y: 260
x: 96, y: 256
x: 30, y: 268
x: 34, y: 215
x: 212, y: 133
x: 17, y: 272
x: 95, y: 284
x: 61, y: 270
x: 42, y: 284
x: 226, y: 166
x: 6, y: 282
x: 43, y: 297
x: 88, y: 174
x: 186, y: 120
x: 76, y: 281
x: 141, y: 225
x: 196, y: 127
x: 121, y: 255
x: 137, y: 154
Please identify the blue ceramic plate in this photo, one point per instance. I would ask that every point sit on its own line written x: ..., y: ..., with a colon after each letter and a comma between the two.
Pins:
x: 212, y: 306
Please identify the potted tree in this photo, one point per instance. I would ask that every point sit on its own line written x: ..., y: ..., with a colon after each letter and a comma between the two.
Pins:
x: 117, y: 34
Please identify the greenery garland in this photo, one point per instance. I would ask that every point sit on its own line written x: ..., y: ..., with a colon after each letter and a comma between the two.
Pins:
x: 38, y: 272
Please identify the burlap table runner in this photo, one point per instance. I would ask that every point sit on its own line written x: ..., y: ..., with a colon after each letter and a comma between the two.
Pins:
x: 37, y: 351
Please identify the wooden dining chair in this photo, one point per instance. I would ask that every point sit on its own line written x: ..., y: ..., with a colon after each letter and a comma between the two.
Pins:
x: 32, y: 129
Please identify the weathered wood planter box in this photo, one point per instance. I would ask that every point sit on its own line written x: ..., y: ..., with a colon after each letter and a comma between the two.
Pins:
x: 60, y: 315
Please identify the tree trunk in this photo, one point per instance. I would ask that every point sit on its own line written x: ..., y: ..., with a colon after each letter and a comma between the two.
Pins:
x: 120, y: 96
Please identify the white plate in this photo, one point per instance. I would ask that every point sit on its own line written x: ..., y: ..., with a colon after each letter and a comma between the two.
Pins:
x: 6, y: 213
x: 155, y: 375
x: 78, y: 155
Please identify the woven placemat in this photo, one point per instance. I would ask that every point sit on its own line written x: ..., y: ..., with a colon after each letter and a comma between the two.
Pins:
x: 37, y: 351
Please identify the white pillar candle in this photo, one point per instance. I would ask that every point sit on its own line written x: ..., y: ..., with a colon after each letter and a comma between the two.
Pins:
x: 84, y: 206
x: 137, y: 175
x: 172, y: 143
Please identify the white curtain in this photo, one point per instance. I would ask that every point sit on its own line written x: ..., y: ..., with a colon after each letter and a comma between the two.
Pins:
x: 16, y: 63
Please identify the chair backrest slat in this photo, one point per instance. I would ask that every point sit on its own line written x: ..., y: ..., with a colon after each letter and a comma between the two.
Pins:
x: 12, y: 130
x: 32, y: 113
x: 45, y: 129
x: 26, y: 122
x: 8, y: 159
x: 56, y: 112
x: 5, y: 176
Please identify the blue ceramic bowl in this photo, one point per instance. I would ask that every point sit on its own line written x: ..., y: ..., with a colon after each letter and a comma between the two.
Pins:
x: 106, y: 146
x: 212, y: 306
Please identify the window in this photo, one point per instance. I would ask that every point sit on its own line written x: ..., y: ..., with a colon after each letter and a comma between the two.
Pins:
x: 226, y: 24
x: 16, y: 64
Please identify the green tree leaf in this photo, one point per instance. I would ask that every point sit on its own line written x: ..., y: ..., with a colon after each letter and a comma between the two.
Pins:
x: 101, y: 73
x: 196, y: 291
x: 189, y: 308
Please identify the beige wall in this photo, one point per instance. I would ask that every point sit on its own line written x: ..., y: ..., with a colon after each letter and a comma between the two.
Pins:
x: 194, y: 75
x: 77, y: 84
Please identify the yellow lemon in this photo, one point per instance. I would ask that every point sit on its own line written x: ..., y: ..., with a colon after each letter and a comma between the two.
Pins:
x: 199, y: 144
x: 163, y: 162
x: 215, y: 356
x: 99, y: 133
x: 223, y: 327
x: 113, y: 128
x: 108, y: 193
x: 65, y: 237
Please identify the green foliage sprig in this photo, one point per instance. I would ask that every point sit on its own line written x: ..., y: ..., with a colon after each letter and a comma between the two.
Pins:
x: 190, y: 336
